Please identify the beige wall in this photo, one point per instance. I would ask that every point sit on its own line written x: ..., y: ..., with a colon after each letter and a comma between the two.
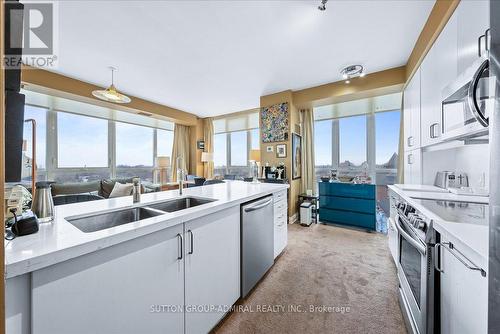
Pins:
x: 293, y: 121
x: 196, y: 166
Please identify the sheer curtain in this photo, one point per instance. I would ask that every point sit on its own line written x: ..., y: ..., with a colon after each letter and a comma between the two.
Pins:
x: 208, y: 136
x: 308, y: 176
x: 180, y: 149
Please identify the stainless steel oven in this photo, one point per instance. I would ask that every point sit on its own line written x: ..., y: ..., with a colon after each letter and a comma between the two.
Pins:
x: 415, y: 269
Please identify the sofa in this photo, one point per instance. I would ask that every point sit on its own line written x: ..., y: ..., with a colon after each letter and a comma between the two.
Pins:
x: 67, y: 193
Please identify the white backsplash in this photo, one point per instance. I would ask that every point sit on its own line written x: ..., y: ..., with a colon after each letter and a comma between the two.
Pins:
x: 474, y: 160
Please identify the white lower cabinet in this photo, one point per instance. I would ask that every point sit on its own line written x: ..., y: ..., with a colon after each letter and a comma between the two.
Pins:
x: 113, y: 290
x: 464, y: 293
x: 212, y: 268
x: 178, y: 280
x: 280, y: 222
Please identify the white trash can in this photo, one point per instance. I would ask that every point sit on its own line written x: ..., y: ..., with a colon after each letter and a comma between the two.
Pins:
x: 306, y: 213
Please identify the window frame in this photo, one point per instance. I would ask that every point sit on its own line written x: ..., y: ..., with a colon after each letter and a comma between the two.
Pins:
x: 228, y: 165
x: 370, y: 141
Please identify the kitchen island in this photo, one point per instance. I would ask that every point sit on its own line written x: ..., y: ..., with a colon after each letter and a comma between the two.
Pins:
x: 177, y: 270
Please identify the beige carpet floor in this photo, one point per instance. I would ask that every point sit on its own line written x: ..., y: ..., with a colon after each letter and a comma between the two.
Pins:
x: 324, y: 266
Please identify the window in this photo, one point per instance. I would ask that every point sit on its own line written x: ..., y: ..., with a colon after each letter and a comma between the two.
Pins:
x: 40, y: 116
x: 134, y: 151
x: 352, y: 145
x: 255, y: 139
x: 323, y: 147
x: 220, y: 153
x: 386, y: 157
x: 165, y: 142
x: 82, y: 141
x: 239, y: 148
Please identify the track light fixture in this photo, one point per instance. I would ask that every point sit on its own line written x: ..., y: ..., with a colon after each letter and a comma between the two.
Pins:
x: 322, y: 7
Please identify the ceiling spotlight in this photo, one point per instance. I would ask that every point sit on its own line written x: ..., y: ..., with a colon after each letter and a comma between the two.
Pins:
x: 352, y: 71
x: 322, y: 7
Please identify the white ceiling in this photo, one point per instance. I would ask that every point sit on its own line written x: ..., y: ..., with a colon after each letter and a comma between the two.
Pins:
x: 216, y: 57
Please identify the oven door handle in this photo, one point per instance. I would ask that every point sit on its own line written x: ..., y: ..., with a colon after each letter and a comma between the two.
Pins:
x: 417, y: 244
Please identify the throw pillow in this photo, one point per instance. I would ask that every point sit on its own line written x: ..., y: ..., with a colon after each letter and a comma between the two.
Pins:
x: 120, y: 190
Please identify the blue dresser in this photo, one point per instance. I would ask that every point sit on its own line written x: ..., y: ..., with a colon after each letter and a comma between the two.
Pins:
x: 348, y: 204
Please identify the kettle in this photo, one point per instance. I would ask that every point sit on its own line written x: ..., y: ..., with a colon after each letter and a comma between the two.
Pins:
x: 43, y: 205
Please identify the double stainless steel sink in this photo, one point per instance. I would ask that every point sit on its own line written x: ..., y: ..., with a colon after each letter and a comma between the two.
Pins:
x: 108, y: 219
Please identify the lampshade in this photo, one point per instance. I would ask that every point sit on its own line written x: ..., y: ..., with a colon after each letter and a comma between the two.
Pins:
x: 254, y: 155
x: 163, y: 161
x: 207, y: 157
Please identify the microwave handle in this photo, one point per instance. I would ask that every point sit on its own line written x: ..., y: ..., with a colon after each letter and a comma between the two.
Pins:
x: 472, y: 97
x: 479, y: 54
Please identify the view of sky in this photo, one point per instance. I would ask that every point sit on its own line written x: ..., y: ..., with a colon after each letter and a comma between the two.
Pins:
x: 82, y: 141
x: 353, y: 138
x: 387, y: 135
x: 134, y: 145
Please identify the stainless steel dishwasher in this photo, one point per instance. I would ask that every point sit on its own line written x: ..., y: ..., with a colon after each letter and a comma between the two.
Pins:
x: 257, y: 241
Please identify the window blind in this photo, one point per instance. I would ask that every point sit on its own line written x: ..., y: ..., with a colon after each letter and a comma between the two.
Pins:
x: 237, y: 122
x: 86, y: 109
x: 359, y: 107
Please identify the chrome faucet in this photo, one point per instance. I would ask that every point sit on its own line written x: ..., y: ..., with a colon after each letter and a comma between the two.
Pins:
x: 180, y: 175
x: 136, y: 192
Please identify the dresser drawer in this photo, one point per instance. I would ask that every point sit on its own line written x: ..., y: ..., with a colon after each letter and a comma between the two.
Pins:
x: 347, y: 217
x: 348, y: 204
x: 347, y: 190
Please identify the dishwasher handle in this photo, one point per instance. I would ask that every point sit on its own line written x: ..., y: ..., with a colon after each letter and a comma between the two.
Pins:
x: 258, y: 206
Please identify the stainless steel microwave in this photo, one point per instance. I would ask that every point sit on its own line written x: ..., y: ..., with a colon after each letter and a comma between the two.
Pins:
x: 467, y: 103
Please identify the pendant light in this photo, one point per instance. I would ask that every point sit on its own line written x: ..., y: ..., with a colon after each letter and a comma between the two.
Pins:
x: 110, y: 94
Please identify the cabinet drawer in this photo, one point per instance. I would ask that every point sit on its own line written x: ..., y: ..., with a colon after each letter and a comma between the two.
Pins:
x: 347, y: 190
x: 348, y: 204
x: 279, y: 196
x: 280, y: 205
x: 280, y: 218
x: 348, y: 218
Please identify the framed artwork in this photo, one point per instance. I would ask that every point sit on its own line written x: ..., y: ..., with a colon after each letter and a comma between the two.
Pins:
x: 296, y: 156
x: 274, y: 123
x: 269, y: 149
x: 281, y: 151
x: 200, y: 144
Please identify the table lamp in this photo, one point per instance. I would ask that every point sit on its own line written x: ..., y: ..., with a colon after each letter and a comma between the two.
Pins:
x: 255, y: 160
x: 162, y: 163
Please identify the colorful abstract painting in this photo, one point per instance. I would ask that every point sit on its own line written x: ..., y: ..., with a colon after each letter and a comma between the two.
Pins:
x: 274, y: 123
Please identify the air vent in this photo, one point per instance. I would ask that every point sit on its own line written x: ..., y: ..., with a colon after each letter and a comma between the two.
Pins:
x: 143, y: 113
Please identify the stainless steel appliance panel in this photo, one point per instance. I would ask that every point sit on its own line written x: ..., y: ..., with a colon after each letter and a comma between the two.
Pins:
x: 494, y: 210
x: 257, y: 241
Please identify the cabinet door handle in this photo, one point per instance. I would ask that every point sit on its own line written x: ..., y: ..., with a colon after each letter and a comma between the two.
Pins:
x: 191, y: 240
x: 181, y: 247
x: 461, y: 257
x: 479, y: 45
x: 437, y: 258
x: 433, y: 130
x: 410, y: 141
x: 410, y: 159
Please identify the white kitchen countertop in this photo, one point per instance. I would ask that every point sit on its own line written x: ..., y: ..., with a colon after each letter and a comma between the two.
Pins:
x: 473, y: 236
x: 60, y: 240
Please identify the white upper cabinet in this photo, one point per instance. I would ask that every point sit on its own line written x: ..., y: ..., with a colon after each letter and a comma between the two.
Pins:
x: 438, y: 69
x: 413, y: 167
x: 473, y: 20
x: 412, y: 113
